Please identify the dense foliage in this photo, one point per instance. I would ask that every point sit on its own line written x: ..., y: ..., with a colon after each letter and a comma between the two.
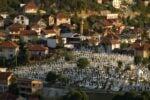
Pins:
x: 133, y: 96
x: 76, y: 95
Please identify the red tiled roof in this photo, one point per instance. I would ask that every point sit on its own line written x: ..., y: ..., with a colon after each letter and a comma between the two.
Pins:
x: 140, y: 46
x: 31, y: 5
x: 15, y: 27
x: 114, y: 41
x: 28, y: 33
x: 51, y: 31
x: 8, y: 44
x: 4, y: 75
x: 36, y: 47
x: 2, y: 34
x: 61, y: 16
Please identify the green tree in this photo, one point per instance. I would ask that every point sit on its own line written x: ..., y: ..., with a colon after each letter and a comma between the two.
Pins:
x: 75, y: 95
x: 83, y: 63
x: 120, y: 64
x: 51, y: 77
x: 69, y: 56
x: 137, y: 60
x: 13, y: 88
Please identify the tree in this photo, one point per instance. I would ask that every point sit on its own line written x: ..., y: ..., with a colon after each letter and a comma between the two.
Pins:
x: 75, y: 95
x: 69, y: 56
x: 13, y: 88
x: 137, y: 60
x: 120, y: 64
x: 51, y: 77
x: 83, y: 63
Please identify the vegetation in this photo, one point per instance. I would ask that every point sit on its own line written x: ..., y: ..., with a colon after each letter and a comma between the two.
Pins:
x: 75, y: 95
x: 133, y: 96
x: 52, y: 78
x: 137, y: 60
x: 69, y: 56
x: 83, y: 63
x: 13, y: 88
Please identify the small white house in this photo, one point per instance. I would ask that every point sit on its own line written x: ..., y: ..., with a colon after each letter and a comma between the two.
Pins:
x: 116, y: 4
x: 21, y: 19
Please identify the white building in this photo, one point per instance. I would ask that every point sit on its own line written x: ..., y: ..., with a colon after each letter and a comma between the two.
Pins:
x: 21, y: 19
x: 116, y: 4
x: 8, y: 49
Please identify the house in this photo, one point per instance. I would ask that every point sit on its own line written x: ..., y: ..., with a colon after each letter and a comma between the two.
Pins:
x: 4, y: 14
x: 2, y: 36
x: 1, y: 21
x: 51, y: 20
x: 129, y: 1
x: 29, y: 35
x: 112, y: 16
x: 8, y: 49
x: 99, y: 1
x: 14, y: 37
x: 21, y: 19
x: 27, y: 87
x: 141, y: 49
x: 3, y: 69
x: 116, y: 4
x: 37, y: 28
x: 48, y: 33
x: 42, y: 23
x: 52, y: 42
x: 37, y: 50
x: 5, y: 80
x: 31, y: 8
x: 15, y: 28
x: 62, y: 19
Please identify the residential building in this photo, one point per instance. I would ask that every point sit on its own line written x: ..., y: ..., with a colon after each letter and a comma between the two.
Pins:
x: 2, y: 36
x: 116, y: 4
x: 48, y: 33
x: 15, y: 28
x: 8, y: 49
x: 21, y: 19
x: 51, y: 20
x: 37, y: 50
x: 1, y: 21
x: 37, y: 28
x: 142, y: 50
x: 27, y: 87
x: 29, y: 35
x: 5, y: 80
x: 31, y: 8
x: 99, y: 1
x: 62, y: 19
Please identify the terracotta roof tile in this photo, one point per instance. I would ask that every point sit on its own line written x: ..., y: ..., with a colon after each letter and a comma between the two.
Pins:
x: 28, y: 33
x: 61, y: 16
x: 51, y: 31
x: 8, y: 44
x: 2, y: 34
x: 15, y: 27
x: 31, y: 5
x: 36, y: 47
